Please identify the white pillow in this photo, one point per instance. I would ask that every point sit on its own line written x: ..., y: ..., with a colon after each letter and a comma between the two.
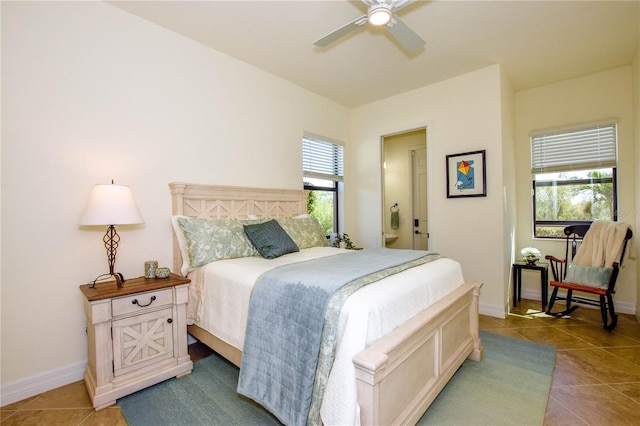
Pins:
x: 184, y: 269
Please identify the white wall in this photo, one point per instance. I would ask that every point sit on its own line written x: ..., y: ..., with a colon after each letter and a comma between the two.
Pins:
x: 463, y: 114
x: 509, y: 205
x: 636, y: 118
x: 91, y: 93
x: 581, y: 100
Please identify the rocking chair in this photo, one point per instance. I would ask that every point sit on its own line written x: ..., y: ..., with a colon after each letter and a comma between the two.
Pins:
x: 592, y: 267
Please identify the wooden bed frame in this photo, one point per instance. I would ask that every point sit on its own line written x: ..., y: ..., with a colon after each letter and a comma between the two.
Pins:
x: 399, y: 375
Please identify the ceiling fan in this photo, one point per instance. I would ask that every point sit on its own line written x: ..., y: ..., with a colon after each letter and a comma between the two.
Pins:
x: 380, y: 13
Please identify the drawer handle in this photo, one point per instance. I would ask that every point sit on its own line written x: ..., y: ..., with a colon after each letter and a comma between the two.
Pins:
x: 135, y: 302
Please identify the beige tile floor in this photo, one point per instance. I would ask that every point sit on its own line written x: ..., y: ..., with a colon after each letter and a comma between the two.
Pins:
x: 596, y: 380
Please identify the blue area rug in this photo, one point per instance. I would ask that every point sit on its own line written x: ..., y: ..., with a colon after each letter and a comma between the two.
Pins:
x: 510, y: 386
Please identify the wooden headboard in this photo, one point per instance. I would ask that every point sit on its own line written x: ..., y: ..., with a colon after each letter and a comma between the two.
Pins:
x: 232, y: 202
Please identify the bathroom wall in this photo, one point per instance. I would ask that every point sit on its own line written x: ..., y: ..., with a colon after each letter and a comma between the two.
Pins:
x: 398, y: 184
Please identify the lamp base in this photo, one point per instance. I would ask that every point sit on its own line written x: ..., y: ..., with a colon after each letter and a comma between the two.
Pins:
x: 119, y: 279
x: 117, y: 276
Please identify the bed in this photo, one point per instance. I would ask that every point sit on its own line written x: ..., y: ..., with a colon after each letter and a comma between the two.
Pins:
x: 395, y: 371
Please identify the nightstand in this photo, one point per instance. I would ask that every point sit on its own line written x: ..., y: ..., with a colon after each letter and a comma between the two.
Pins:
x: 137, y: 335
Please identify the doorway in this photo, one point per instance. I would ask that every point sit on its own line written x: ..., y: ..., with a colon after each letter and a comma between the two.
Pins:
x: 404, y: 176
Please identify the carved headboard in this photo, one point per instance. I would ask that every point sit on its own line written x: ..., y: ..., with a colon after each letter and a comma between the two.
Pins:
x: 232, y: 202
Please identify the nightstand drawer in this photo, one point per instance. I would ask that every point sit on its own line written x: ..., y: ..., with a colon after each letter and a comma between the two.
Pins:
x: 141, y: 301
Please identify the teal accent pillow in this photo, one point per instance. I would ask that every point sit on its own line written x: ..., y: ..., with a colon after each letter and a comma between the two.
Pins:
x: 591, y: 276
x: 270, y: 239
x: 305, y: 231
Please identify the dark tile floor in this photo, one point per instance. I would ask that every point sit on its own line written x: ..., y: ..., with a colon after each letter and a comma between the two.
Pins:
x: 596, y: 380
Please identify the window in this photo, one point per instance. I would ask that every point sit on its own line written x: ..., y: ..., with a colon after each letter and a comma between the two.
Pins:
x: 322, y: 165
x: 574, y: 178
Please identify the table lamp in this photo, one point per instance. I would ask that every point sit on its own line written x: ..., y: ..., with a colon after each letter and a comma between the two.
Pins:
x: 111, y: 204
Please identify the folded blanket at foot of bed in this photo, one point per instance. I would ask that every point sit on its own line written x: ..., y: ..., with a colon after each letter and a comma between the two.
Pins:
x: 291, y: 330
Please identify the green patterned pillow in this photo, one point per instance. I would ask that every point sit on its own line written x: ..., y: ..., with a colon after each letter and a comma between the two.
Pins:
x: 206, y: 241
x: 305, y: 231
x: 270, y: 239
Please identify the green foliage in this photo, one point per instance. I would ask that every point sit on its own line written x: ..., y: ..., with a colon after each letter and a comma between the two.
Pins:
x: 582, y: 201
x: 320, y: 206
x: 573, y: 198
x: 311, y: 201
x: 344, y: 238
x: 550, y: 231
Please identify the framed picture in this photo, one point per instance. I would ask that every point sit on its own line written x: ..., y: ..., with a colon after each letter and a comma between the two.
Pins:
x: 466, y: 175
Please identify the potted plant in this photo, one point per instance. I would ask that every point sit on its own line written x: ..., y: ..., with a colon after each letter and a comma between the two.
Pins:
x: 530, y: 255
x: 344, y: 238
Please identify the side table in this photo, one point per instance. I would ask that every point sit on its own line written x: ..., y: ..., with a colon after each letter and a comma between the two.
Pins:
x: 136, y: 335
x: 517, y: 281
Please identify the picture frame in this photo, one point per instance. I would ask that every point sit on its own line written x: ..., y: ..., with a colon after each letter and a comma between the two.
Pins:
x: 466, y: 174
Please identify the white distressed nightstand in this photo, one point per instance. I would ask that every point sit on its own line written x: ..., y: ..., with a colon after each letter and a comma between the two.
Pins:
x: 137, y: 336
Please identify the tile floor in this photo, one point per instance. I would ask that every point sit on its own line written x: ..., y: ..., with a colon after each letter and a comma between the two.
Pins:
x: 596, y: 380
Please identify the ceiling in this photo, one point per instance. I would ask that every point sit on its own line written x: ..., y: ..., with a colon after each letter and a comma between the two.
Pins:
x: 537, y: 42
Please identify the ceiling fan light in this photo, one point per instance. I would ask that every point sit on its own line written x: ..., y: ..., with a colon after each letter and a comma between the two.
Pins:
x: 379, y: 15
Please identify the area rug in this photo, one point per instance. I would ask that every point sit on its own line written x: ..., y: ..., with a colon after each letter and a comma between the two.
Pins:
x: 510, y: 386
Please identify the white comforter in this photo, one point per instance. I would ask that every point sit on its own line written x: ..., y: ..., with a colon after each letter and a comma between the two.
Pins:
x: 219, y: 303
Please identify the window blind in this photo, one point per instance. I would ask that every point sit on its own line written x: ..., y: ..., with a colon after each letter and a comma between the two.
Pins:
x: 322, y: 159
x: 589, y: 148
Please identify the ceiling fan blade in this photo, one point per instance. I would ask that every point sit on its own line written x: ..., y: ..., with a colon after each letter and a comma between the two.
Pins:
x: 343, y: 30
x: 399, y: 4
x: 405, y: 35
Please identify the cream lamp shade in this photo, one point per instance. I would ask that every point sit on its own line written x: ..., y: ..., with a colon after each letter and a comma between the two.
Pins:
x: 111, y: 204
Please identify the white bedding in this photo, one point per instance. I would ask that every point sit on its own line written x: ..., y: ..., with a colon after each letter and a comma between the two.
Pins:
x: 219, y: 303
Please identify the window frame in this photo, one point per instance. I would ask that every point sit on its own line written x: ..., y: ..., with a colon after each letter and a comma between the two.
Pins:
x: 333, y: 173
x: 334, y: 189
x: 610, y: 163
x: 565, y: 223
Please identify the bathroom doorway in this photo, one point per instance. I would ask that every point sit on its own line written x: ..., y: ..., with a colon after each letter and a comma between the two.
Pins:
x: 405, y: 195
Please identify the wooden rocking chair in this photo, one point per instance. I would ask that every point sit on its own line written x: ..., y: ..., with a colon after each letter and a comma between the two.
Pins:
x: 591, y: 271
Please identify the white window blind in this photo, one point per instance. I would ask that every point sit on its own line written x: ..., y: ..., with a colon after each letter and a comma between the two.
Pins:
x: 589, y: 148
x: 322, y: 159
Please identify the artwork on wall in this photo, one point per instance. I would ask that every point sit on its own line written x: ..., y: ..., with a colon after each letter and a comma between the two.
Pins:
x: 466, y: 175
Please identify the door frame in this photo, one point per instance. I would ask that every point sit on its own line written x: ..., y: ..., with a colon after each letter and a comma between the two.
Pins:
x: 412, y: 169
x: 428, y: 127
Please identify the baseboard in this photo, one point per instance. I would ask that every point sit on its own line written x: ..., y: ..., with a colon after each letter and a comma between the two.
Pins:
x: 625, y: 307
x: 493, y: 310
x: 43, y: 382
x: 621, y: 306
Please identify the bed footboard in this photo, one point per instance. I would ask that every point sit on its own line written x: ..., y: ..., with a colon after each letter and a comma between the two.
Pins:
x: 400, y: 375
